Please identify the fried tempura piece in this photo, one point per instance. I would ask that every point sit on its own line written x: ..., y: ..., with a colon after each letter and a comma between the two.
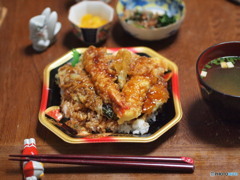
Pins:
x: 123, y: 80
x: 150, y: 67
x: 144, y: 80
x: 77, y: 87
x: 156, y: 97
x: 104, y: 92
x: 135, y: 93
x: 96, y: 63
x: 80, y: 103
x: 121, y: 64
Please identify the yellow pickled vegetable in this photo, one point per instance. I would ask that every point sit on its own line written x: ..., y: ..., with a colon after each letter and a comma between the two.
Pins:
x: 91, y: 21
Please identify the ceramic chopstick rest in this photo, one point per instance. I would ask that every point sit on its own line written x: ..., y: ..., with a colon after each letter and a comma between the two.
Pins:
x: 32, y: 170
x: 43, y: 29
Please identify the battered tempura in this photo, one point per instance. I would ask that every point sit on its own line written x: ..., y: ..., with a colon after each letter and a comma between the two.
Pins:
x: 104, y: 91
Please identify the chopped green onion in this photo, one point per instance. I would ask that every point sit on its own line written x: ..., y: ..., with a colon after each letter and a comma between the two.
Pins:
x: 208, y: 66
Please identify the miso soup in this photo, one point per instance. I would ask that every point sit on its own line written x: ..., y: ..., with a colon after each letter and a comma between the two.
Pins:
x: 223, y: 75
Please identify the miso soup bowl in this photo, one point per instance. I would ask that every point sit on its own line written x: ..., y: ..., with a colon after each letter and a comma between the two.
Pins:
x: 226, y: 105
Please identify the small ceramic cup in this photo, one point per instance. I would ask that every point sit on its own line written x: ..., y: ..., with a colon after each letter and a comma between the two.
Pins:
x: 225, y: 105
x: 91, y: 36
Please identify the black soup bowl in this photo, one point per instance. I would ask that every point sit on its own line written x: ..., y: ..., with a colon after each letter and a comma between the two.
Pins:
x: 226, y: 106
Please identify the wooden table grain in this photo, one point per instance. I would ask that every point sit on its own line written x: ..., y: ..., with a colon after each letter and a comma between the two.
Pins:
x: 212, y: 143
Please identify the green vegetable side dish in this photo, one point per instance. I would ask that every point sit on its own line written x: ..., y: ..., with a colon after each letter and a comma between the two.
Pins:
x: 76, y: 56
x: 147, y: 19
x: 166, y: 20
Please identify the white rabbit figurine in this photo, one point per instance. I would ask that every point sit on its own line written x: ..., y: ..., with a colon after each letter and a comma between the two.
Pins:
x: 43, y: 29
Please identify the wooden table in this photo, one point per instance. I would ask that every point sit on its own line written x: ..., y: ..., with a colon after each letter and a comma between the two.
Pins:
x: 213, y: 144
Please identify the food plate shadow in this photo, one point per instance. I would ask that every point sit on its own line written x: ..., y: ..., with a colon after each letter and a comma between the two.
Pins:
x: 71, y: 41
x: 124, y: 39
x: 209, y: 126
x: 28, y: 50
x: 47, y: 136
x: 68, y: 4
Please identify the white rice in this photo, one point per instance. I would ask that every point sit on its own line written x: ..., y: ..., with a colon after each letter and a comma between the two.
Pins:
x: 139, y: 126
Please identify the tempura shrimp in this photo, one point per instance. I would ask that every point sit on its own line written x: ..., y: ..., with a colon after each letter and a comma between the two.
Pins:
x: 96, y: 63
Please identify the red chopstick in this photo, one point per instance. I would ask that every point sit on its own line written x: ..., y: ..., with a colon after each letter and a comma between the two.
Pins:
x: 112, y: 157
x: 146, y: 162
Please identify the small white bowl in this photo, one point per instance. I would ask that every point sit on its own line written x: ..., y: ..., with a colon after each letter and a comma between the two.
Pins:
x: 172, y: 7
x: 96, y: 8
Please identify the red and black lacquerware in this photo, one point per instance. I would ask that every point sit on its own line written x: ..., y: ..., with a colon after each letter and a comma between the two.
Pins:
x: 54, y: 113
x: 169, y: 116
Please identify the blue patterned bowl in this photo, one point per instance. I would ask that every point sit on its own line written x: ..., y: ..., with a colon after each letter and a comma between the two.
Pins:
x: 172, y: 8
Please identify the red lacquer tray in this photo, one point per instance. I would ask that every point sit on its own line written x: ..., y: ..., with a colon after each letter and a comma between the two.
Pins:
x: 171, y: 111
